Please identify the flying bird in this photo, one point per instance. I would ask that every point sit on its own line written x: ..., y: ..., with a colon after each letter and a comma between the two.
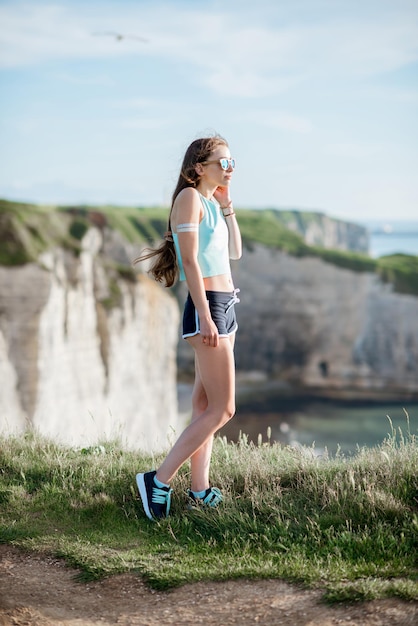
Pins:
x: 120, y: 36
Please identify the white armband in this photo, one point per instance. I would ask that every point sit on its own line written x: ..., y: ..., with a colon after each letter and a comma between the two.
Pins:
x: 188, y: 228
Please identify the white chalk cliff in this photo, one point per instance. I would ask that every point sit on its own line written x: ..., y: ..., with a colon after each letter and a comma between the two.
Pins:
x: 327, y: 328
x: 78, y: 369
x: 89, y: 352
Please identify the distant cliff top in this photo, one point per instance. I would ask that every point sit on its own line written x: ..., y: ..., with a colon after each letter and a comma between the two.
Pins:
x: 27, y: 230
x: 319, y: 229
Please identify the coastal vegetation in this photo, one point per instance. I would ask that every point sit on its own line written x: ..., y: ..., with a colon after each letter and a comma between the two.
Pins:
x: 348, y: 526
x: 27, y: 230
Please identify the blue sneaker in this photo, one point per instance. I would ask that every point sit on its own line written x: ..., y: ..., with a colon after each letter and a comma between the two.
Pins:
x: 211, y: 497
x: 155, y: 500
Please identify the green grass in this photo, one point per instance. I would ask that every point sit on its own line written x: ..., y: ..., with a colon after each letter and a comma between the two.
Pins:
x: 348, y: 526
x: 27, y: 230
x: 401, y: 270
x: 136, y: 225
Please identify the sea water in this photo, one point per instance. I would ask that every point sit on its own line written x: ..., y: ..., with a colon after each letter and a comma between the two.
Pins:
x: 322, y: 424
x: 392, y: 237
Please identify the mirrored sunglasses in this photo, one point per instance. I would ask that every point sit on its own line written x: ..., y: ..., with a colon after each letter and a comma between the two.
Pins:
x: 224, y: 163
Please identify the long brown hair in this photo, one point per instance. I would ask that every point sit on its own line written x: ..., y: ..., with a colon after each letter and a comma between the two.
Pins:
x: 164, y: 268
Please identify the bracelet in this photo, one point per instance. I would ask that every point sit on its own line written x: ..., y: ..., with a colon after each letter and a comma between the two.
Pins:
x: 229, y: 214
x: 228, y: 206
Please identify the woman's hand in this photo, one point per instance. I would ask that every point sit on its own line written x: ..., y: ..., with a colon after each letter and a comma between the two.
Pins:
x: 221, y: 195
x: 209, y: 332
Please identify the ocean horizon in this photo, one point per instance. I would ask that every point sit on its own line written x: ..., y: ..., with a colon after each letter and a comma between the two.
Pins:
x: 392, y: 237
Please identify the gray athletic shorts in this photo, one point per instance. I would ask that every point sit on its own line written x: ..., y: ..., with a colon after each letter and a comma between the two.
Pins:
x: 222, y: 310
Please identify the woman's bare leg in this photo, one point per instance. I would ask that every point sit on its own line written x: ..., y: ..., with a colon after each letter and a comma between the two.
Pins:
x: 217, y: 375
x: 200, y: 460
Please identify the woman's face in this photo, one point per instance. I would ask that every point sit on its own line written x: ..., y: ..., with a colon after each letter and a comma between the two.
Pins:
x: 213, y: 172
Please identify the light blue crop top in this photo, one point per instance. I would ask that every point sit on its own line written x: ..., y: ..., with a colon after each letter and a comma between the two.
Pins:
x: 213, y: 254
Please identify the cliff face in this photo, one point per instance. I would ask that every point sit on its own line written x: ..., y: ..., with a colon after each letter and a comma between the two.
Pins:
x: 318, y: 229
x: 86, y: 355
x: 324, y: 327
x: 88, y: 350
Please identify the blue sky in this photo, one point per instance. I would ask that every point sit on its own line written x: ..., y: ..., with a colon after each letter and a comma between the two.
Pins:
x: 317, y: 98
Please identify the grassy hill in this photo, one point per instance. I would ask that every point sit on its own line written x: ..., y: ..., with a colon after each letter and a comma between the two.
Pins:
x: 26, y: 230
x: 345, y: 525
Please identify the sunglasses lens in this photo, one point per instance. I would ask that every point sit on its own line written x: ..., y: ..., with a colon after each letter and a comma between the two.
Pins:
x: 226, y: 163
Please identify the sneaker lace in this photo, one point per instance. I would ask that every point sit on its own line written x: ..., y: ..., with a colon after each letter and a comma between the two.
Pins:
x: 161, y: 496
x: 213, y: 497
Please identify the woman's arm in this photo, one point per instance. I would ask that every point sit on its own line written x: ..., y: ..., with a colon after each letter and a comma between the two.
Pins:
x: 235, y: 243
x: 187, y: 210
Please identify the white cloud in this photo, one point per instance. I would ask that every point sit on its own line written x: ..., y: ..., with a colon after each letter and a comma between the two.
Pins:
x: 31, y: 34
x: 288, y: 80
x: 374, y: 47
x: 225, y: 52
x: 34, y: 33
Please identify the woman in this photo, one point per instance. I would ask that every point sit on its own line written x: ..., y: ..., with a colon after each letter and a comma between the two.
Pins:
x: 202, y: 236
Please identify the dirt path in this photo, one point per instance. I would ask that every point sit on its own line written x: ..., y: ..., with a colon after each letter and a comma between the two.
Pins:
x: 37, y: 590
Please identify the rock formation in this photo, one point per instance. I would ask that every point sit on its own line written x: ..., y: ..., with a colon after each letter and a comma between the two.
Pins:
x: 327, y: 329
x: 85, y: 354
x: 88, y: 349
x: 318, y: 229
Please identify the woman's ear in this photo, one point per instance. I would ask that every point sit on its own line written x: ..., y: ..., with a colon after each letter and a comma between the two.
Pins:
x: 199, y: 169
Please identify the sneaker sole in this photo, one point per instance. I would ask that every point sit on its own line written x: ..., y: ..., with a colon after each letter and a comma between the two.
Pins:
x: 144, y: 496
